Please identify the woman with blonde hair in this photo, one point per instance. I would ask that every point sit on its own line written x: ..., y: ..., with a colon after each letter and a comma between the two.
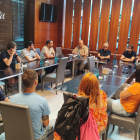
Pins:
x: 89, y: 87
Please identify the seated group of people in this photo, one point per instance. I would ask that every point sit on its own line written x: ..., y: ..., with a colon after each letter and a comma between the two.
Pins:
x: 28, y: 54
x: 129, y: 55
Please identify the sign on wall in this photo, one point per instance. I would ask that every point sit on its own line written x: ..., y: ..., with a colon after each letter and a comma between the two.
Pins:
x: 5, y: 23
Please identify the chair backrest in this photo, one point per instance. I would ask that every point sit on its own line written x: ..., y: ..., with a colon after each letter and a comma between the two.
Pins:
x: 91, y: 63
x: 61, y: 69
x: 38, y: 50
x: 84, y: 101
x: 17, y: 121
x: 18, y: 52
x: 137, y: 121
x: 59, y: 51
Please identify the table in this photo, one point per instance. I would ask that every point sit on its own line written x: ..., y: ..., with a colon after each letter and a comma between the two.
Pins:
x: 110, y: 85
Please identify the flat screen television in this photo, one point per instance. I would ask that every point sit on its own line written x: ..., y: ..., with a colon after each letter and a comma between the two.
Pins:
x: 48, y: 13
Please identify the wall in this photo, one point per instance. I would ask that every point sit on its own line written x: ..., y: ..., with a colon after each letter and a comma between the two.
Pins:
x: 45, y: 30
x: 114, y: 27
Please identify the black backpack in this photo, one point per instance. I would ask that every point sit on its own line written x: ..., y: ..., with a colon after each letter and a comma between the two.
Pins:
x: 68, y: 121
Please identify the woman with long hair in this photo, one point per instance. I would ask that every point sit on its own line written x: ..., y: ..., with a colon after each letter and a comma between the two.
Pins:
x: 89, y: 87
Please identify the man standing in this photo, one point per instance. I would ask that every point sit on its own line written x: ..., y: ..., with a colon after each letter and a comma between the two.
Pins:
x: 129, y: 55
x: 80, y: 50
x: 104, y: 53
x: 7, y: 58
x: 38, y: 105
x: 48, y: 52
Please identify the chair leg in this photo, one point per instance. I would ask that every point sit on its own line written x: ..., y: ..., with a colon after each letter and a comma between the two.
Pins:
x: 56, y: 90
x: 6, y: 90
x: 103, y: 136
x: 42, y: 82
x: 113, y: 128
x: 51, y: 84
x: 136, y: 136
x: 107, y: 131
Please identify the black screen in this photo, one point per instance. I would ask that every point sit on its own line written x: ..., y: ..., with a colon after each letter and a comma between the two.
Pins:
x: 48, y: 13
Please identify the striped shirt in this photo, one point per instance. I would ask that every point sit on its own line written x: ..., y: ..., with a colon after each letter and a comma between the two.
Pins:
x: 24, y: 53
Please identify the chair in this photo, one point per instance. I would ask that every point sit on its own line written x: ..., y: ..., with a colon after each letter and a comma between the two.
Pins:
x: 102, y: 133
x: 18, y: 52
x: 38, y: 50
x: 17, y: 121
x: 91, y: 63
x: 131, y: 123
x: 58, y: 76
x: 59, y: 51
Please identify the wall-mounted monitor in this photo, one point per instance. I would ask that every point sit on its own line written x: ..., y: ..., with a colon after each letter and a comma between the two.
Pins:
x: 48, y: 13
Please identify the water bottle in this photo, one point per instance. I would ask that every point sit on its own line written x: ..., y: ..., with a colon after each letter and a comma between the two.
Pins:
x: 41, y: 59
x: 56, y: 55
x: 114, y: 59
x: 96, y: 72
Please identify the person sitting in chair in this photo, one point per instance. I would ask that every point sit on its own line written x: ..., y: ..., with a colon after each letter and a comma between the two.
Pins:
x: 104, y: 53
x: 80, y: 50
x: 39, y: 108
x: 129, y: 55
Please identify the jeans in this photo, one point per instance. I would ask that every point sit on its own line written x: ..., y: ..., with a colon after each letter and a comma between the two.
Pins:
x: 48, y: 130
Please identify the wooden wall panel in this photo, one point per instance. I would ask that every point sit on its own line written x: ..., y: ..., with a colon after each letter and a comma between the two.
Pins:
x: 85, y: 22
x: 135, y: 26
x: 94, y: 25
x: 113, y: 31
x: 104, y: 23
x: 68, y: 24
x: 77, y: 20
x: 124, y: 26
x: 45, y: 30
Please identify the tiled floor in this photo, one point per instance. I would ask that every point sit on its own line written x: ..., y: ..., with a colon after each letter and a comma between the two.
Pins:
x: 55, y: 102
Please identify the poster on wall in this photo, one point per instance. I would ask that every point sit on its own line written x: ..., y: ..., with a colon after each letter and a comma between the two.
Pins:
x: 5, y: 23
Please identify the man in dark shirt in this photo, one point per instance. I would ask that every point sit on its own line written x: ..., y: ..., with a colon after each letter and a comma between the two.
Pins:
x: 129, y: 55
x: 8, y: 57
x: 104, y: 53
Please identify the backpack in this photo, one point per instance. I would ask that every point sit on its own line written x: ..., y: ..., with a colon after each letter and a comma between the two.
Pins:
x: 68, y: 121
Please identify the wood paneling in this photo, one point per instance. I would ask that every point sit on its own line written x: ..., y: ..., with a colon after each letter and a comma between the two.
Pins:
x: 45, y: 30
x: 104, y: 23
x: 85, y: 22
x: 6, y: 23
x: 68, y: 23
x: 113, y: 31
x: 94, y: 25
x: 135, y: 26
x: 124, y: 26
x: 77, y: 20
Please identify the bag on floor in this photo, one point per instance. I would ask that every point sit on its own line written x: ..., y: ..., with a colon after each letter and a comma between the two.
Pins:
x: 68, y: 119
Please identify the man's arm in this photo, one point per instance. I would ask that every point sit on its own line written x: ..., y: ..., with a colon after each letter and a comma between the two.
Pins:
x: 45, y: 120
x: 49, y: 56
x: 128, y: 59
x: 75, y: 51
x: 30, y: 59
x: 122, y: 57
x: 9, y: 61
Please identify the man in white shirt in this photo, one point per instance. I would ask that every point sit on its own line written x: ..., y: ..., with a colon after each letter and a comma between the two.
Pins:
x: 29, y: 54
x: 82, y: 51
x: 48, y: 52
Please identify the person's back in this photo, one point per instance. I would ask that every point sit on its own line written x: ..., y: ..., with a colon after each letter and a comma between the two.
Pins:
x: 89, y: 87
x: 38, y: 105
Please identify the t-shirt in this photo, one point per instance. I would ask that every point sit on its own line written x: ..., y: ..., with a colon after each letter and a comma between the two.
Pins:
x: 132, y: 54
x: 131, y: 104
x: 3, y: 55
x: 45, y: 49
x: 38, y: 106
x: 2, y: 97
x: 82, y: 50
x: 24, y: 53
x: 104, y: 53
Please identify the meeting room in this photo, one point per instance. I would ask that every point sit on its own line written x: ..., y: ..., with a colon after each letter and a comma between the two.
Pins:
x: 69, y: 69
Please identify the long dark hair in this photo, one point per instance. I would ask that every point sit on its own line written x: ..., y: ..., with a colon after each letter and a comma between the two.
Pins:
x: 137, y: 74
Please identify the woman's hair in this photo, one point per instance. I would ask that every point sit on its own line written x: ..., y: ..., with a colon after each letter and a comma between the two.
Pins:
x: 137, y: 74
x: 89, y: 87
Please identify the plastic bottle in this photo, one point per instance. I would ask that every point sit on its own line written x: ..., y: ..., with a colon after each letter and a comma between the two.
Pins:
x: 96, y: 72
x: 114, y: 59
x: 41, y: 59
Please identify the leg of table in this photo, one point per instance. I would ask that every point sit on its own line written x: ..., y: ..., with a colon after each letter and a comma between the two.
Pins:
x: 73, y: 68
x: 19, y: 84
